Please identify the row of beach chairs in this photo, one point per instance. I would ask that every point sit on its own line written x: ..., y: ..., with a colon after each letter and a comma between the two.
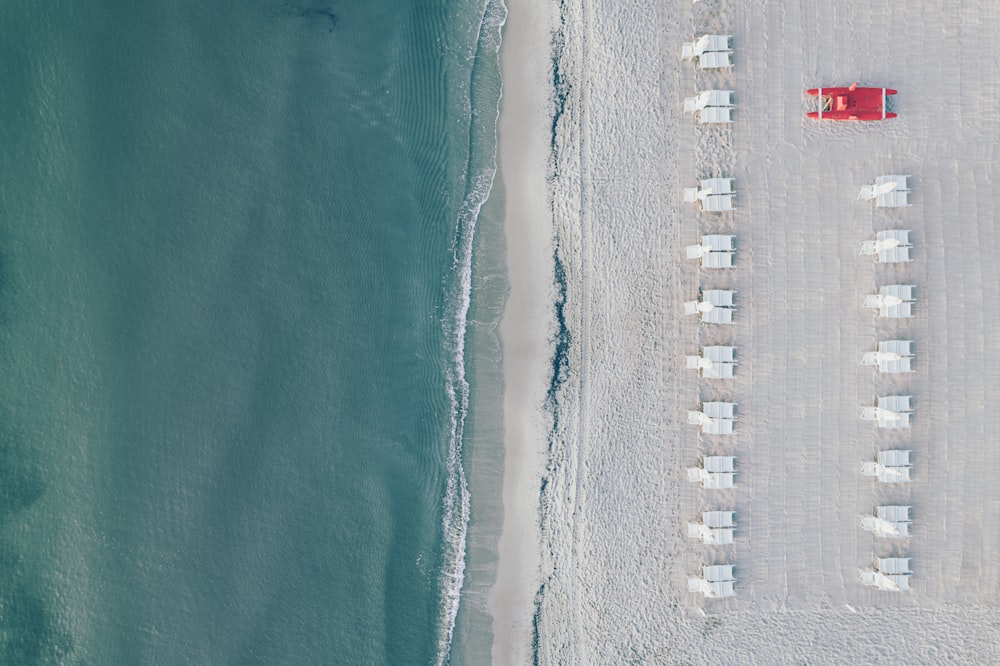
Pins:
x: 712, y: 107
x: 892, y: 412
x: 716, y: 306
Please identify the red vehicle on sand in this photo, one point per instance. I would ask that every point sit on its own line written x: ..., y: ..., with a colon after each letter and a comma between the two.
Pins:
x: 851, y: 103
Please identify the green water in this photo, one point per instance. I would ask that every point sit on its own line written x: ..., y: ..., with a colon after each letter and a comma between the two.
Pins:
x: 228, y: 282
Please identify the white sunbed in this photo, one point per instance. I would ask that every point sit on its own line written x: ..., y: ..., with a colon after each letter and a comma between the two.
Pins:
x: 716, y: 590
x: 892, y: 357
x: 710, y: 369
x: 715, y: 115
x: 715, y: 529
x: 720, y: 354
x: 718, y: 519
x: 714, y: 363
x: 718, y: 185
x: 889, y: 247
x: 719, y: 242
x: 715, y: 194
x: 719, y: 464
x: 891, y: 522
x: 894, y: 565
x: 886, y: 474
x: 887, y: 191
x: 885, y: 582
x: 719, y: 410
x: 894, y: 301
x: 891, y: 411
x: 885, y: 418
x: 891, y: 574
x: 709, y: 425
x: 709, y: 536
x: 715, y: 60
x: 715, y: 251
x: 709, y: 186
x: 715, y: 473
x: 717, y: 572
x: 715, y: 418
x: 717, y: 260
x: 708, y: 99
x: 704, y: 44
x: 715, y: 307
x: 894, y: 458
x: 717, y: 203
x: 894, y: 513
x: 889, y: 467
x: 722, y: 298
x: 716, y: 581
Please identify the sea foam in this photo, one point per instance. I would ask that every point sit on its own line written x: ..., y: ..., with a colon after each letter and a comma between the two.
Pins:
x: 480, y: 173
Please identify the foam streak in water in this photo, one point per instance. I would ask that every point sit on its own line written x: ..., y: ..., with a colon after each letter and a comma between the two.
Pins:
x: 481, y: 170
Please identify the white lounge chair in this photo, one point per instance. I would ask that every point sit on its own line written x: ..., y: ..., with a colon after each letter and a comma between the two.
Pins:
x: 720, y: 298
x: 891, y: 522
x: 717, y: 203
x: 704, y: 44
x: 715, y: 307
x: 717, y: 260
x: 708, y: 99
x: 891, y: 574
x: 709, y: 313
x: 711, y: 426
x: 719, y: 242
x: 714, y: 363
x: 716, y: 464
x: 886, y: 474
x: 715, y: 473
x: 894, y: 513
x: 894, y: 565
x: 715, y: 529
x: 715, y: 194
x: 715, y: 60
x: 718, y: 185
x: 720, y: 410
x: 889, y: 467
x: 885, y: 582
x: 889, y: 247
x: 891, y: 411
x: 719, y: 519
x: 716, y: 582
x: 885, y: 418
x: 887, y: 191
x: 894, y: 301
x: 715, y: 418
x: 709, y: 536
x: 894, y: 458
x: 892, y: 357
x: 715, y: 251
x: 715, y: 115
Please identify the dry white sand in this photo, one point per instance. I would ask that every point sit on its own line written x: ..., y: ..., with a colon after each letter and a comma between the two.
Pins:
x: 614, y: 557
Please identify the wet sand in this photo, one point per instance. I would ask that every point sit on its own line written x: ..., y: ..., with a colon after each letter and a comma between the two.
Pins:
x: 526, y: 329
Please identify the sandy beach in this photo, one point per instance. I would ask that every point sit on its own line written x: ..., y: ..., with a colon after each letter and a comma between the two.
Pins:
x: 613, y: 560
x: 526, y: 330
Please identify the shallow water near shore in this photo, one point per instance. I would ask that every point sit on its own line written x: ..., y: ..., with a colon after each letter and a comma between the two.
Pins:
x: 233, y: 290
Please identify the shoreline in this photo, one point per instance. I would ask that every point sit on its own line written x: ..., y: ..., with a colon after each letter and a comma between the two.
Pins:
x: 526, y: 327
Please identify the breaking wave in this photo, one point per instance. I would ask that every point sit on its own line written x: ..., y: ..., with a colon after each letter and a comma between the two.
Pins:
x: 484, y: 95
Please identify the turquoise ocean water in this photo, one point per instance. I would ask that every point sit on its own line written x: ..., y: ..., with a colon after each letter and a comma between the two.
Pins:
x: 238, y: 253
